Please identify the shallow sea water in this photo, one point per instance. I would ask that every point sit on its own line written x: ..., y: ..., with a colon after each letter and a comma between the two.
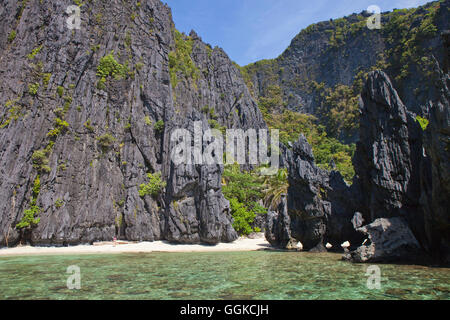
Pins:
x: 209, y: 276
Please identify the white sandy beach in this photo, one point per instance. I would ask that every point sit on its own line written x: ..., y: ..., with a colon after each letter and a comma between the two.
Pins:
x: 242, y: 244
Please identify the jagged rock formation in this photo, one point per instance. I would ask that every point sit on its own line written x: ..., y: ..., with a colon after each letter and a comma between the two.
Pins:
x: 317, y: 201
x: 278, y: 226
x: 99, y: 128
x: 391, y: 176
x: 436, y: 182
x: 386, y: 240
x: 388, y: 157
x: 388, y: 163
x: 402, y: 172
x: 87, y: 113
x: 307, y: 210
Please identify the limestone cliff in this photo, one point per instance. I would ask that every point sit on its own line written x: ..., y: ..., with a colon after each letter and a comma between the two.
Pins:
x: 87, y: 113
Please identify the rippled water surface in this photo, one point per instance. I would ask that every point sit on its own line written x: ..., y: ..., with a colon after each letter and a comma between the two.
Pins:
x: 240, y: 275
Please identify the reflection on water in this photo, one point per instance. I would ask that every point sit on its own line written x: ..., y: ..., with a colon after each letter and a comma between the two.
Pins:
x: 237, y: 275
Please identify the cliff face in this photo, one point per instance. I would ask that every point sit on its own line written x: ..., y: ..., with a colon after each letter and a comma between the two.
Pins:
x: 389, y: 155
x: 436, y: 182
x: 323, y: 69
x: 400, y: 189
x: 317, y: 210
x: 401, y: 171
x: 87, y: 113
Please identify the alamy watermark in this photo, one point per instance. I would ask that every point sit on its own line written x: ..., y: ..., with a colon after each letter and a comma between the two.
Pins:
x: 242, y: 147
x: 74, y: 280
x: 374, y: 278
x: 74, y: 19
x: 374, y: 21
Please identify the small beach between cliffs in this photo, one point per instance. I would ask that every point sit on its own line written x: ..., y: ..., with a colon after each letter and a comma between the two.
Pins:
x: 241, y: 244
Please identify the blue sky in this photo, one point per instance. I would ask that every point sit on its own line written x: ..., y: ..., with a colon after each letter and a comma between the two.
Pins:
x: 251, y: 30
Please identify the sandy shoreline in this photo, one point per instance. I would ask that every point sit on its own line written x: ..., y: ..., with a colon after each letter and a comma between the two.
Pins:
x: 242, y: 244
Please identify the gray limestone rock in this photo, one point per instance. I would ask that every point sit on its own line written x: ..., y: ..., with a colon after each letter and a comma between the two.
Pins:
x: 387, y: 240
x: 89, y: 191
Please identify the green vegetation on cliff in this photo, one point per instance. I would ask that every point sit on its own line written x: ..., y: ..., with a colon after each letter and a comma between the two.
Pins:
x: 109, y: 67
x: 326, y: 148
x: 154, y: 187
x: 406, y: 33
x: 180, y: 60
x: 29, y: 218
x: 310, y: 76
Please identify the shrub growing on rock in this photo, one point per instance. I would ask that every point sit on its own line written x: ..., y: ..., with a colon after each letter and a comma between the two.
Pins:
x: 154, y: 187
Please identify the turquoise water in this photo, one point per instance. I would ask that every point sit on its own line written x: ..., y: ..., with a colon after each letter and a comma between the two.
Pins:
x: 198, y: 276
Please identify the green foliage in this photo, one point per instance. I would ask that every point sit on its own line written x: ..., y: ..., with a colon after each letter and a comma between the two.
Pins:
x: 89, y: 126
x: 36, y: 188
x: 246, y: 75
x: 423, y: 122
x: 128, y: 39
x: 14, y: 113
x: 33, y: 88
x: 268, y: 70
x: 60, y: 91
x: 139, y: 66
x: 40, y: 160
x: 148, y: 121
x: 159, y: 127
x: 242, y: 217
x: 98, y: 18
x: 60, y: 127
x: 328, y: 149
x: 342, y: 30
x: 272, y: 99
x: 59, y: 112
x: 62, y: 167
x: 106, y: 141
x: 244, y: 186
x: 46, y: 79
x: 12, y: 36
x: 180, y: 60
x: 101, y: 84
x: 29, y: 219
x: 205, y: 109
x: 34, y: 52
x: 274, y: 187
x: 68, y: 101
x: 154, y: 187
x: 95, y: 48
x: 244, y: 189
x: 407, y: 33
x: 59, y: 203
x: 215, y: 125
x: 109, y: 66
x: 325, y: 149
x: 341, y: 111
